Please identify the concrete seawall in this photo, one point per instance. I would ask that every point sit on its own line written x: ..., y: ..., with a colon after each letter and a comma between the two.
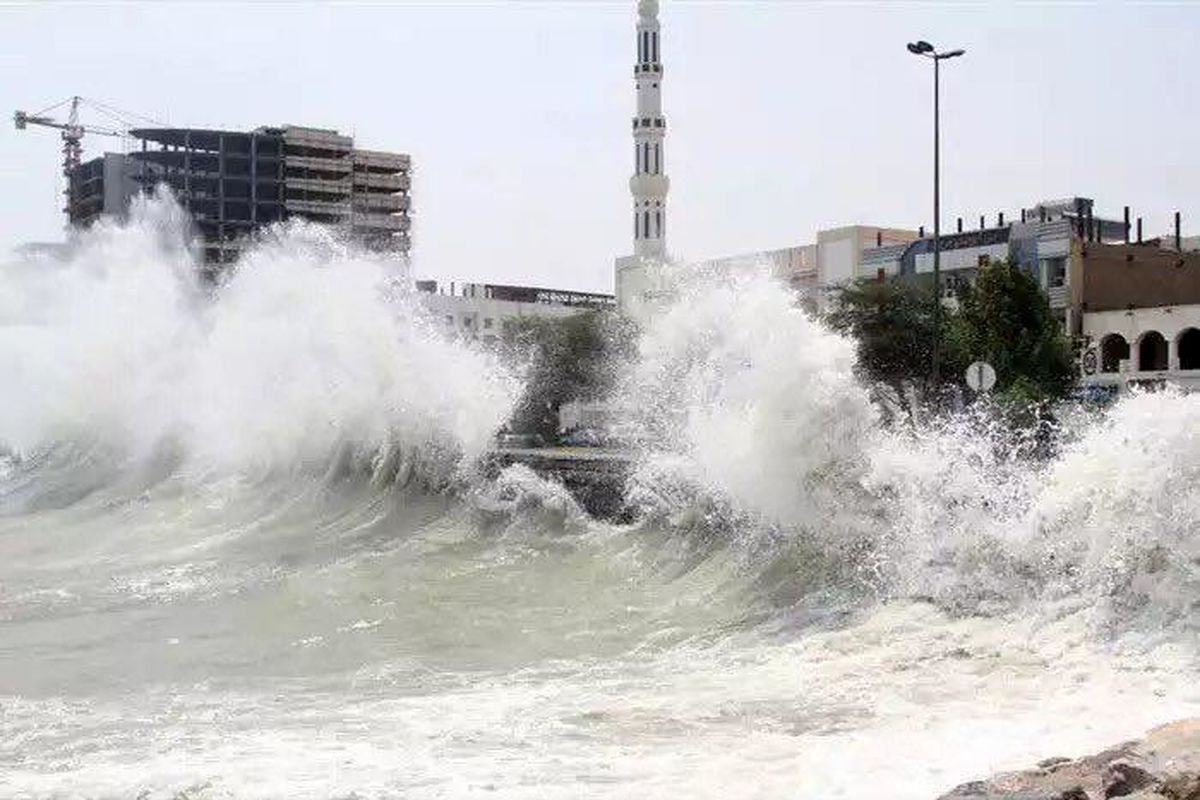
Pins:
x: 594, y: 476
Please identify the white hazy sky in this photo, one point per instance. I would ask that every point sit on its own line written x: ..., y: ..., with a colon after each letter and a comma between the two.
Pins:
x: 784, y: 117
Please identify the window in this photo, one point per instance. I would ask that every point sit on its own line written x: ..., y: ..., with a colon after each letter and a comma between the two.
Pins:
x: 487, y: 322
x: 468, y: 322
x: 645, y: 224
x: 654, y: 41
x: 1055, y: 270
x: 449, y: 319
x: 658, y: 224
x: 646, y: 155
x: 635, y: 225
x: 656, y: 168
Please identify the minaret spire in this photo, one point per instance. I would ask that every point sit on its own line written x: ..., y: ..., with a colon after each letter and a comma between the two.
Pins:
x: 649, y: 183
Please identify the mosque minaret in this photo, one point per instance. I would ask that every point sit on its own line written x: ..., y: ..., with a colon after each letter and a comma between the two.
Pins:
x: 649, y: 183
x: 638, y: 278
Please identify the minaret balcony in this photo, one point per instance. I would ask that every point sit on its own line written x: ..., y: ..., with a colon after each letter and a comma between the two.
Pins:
x: 641, y: 68
x: 649, y: 122
x: 647, y: 185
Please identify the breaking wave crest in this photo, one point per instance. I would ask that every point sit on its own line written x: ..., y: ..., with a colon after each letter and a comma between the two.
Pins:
x: 755, y: 438
x: 752, y: 426
x: 308, y: 356
x: 243, y: 553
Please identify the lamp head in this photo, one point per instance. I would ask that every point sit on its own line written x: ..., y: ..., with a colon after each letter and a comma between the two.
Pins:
x: 920, y: 48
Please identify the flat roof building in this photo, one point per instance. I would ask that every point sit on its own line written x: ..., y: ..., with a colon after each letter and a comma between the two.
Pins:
x: 485, y: 311
x: 234, y: 182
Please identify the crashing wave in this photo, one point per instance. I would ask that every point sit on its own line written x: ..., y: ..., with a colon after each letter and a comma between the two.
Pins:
x: 309, y: 355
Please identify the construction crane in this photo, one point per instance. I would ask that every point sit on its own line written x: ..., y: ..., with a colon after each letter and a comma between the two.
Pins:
x: 73, y: 130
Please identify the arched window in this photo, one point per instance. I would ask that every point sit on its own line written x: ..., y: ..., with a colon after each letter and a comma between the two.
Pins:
x: 656, y: 169
x: 645, y: 224
x: 654, y: 39
x: 657, y: 224
x: 646, y: 155
x: 1113, y: 349
x: 1188, y: 348
x: 636, y: 229
x: 1152, y: 352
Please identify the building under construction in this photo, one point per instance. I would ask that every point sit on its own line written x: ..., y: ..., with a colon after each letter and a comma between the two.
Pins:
x: 234, y: 182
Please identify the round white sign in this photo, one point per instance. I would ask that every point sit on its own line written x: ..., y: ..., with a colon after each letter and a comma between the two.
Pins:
x: 981, y: 377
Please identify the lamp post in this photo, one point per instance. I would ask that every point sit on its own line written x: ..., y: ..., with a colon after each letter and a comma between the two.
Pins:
x: 926, y: 50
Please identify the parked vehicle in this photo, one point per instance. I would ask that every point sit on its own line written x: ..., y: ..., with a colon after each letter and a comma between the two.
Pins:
x: 582, y: 437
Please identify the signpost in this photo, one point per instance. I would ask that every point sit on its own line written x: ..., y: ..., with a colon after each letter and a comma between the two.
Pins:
x: 980, y: 376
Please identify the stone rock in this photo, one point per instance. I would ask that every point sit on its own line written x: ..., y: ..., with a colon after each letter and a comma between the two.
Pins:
x: 1122, y: 780
x: 1165, y: 765
x: 1181, y: 787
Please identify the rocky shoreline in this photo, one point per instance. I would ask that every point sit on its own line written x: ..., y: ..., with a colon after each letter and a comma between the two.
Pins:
x: 1165, y: 765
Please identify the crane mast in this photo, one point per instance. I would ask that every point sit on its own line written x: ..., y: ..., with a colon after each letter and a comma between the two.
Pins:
x: 72, y: 131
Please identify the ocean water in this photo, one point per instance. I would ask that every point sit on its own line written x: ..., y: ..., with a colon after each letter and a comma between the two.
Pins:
x: 245, y: 552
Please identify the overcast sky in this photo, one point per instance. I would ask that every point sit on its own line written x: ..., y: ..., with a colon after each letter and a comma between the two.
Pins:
x: 784, y: 117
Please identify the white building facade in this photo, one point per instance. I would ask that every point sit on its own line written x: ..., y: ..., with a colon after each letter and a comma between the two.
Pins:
x: 483, y: 311
x: 1145, y: 346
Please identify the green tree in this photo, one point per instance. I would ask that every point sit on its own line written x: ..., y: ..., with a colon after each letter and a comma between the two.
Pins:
x: 893, y: 325
x: 1004, y: 318
x: 569, y: 358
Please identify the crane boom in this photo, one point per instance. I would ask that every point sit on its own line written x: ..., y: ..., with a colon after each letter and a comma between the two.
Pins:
x: 22, y: 119
x: 72, y: 133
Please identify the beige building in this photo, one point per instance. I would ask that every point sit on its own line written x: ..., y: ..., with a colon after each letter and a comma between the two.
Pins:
x: 835, y: 259
x: 1140, y: 310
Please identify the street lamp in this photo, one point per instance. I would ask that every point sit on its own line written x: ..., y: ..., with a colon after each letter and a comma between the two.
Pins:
x: 926, y: 50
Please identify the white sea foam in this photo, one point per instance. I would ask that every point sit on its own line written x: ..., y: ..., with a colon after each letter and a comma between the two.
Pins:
x: 746, y: 403
x: 307, y: 347
x: 818, y: 604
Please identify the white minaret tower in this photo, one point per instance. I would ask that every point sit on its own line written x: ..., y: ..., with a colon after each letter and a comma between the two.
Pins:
x: 649, y: 183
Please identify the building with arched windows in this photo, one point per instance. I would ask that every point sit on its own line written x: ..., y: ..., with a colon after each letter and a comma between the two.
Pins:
x: 1140, y: 308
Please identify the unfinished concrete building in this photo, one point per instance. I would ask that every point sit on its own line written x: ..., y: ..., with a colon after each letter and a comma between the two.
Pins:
x: 233, y: 182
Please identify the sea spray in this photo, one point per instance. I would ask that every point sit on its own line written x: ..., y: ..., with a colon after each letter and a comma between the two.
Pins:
x: 222, y: 576
x: 740, y: 394
x: 307, y: 351
x: 751, y: 425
